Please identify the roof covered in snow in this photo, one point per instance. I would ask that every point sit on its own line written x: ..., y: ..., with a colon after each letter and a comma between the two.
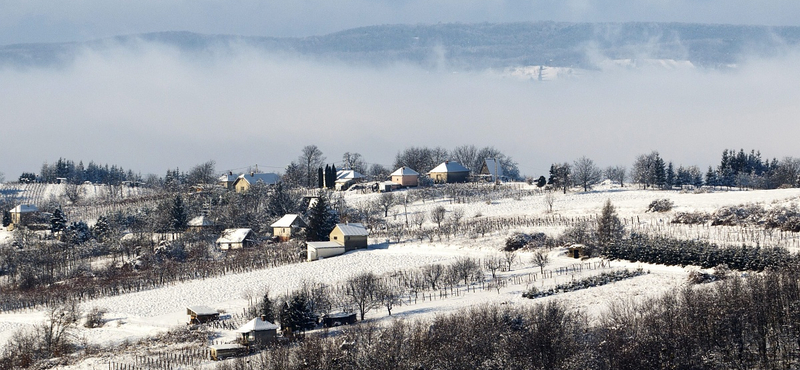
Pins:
x: 228, y: 177
x: 202, y: 310
x: 234, y: 235
x: 257, y: 325
x: 348, y: 175
x: 353, y: 229
x: 200, y: 221
x: 405, y: 171
x: 450, y: 166
x: 289, y: 220
x: 24, y: 208
x: 267, y: 178
x: 323, y: 245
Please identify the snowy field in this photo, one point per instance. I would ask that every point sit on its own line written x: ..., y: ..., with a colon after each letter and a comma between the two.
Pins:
x: 144, y: 314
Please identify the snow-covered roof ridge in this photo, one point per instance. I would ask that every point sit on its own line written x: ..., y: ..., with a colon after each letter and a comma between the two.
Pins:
x: 404, y: 171
x: 348, y: 175
x: 202, y: 310
x: 287, y: 220
x: 267, y: 178
x: 353, y: 229
x: 256, y: 325
x: 24, y: 208
x: 201, y: 220
x: 450, y: 166
x: 233, y: 235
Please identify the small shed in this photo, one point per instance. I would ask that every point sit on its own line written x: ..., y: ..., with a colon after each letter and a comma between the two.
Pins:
x: 577, y: 251
x: 22, y: 215
x: 219, y: 352
x: 449, y: 172
x: 338, y: 319
x: 258, y: 331
x: 317, y: 250
x: 288, y: 226
x: 350, y: 235
x: 405, y: 176
x: 236, y: 239
x: 491, y: 170
x: 201, y: 314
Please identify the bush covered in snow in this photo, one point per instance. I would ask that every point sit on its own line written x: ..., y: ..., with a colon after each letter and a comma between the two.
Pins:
x: 691, y: 218
x: 660, y: 205
x: 519, y: 240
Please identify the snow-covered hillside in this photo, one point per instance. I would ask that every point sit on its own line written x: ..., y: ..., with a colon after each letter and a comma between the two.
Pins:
x: 140, y: 315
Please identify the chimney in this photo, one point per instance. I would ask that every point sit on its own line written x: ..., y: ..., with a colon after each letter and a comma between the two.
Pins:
x: 263, y: 317
x: 252, y: 174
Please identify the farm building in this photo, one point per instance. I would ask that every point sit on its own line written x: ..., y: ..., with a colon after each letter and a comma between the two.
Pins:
x: 245, y: 181
x: 219, y: 352
x: 449, y: 172
x: 236, y: 238
x: 201, y: 314
x: 491, y: 170
x: 288, y: 226
x: 200, y: 223
x: 405, y: 176
x: 351, y: 236
x: 338, y: 319
x: 347, y: 178
x: 343, y: 238
x: 258, y: 332
x: 577, y: 251
x: 317, y: 250
x: 22, y: 215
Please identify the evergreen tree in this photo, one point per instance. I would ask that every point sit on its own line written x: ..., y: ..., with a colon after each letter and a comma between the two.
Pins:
x: 321, y: 219
x: 320, y: 178
x: 178, y: 214
x: 296, y: 313
x: 609, y: 227
x: 102, y: 230
x: 670, y: 178
x: 711, y: 177
x: 6, y: 218
x: 265, y: 308
x: 58, y: 222
x: 333, y: 177
x: 281, y: 202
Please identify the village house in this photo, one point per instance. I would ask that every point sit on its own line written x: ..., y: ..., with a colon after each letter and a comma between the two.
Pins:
x: 236, y: 239
x: 449, y: 172
x: 245, y: 181
x: 288, y: 226
x: 347, y: 178
x: 491, y: 170
x: 343, y: 238
x: 258, y: 332
x: 200, y: 224
x: 405, y: 176
x: 22, y: 215
x: 227, y: 180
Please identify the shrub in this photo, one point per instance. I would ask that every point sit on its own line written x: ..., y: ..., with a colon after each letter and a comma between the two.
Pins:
x: 95, y: 318
x: 660, y: 205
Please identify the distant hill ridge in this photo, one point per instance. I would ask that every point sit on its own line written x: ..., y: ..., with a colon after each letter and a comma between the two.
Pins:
x: 471, y: 46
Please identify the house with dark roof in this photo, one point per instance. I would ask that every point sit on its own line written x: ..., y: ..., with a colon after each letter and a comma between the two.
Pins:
x: 245, y: 181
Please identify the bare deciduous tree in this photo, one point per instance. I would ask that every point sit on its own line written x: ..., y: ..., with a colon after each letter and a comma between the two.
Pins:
x: 493, y: 263
x: 437, y: 215
x: 386, y: 201
x: 585, y: 173
x: 362, y: 291
x: 509, y: 257
x: 310, y: 160
x: 540, y: 259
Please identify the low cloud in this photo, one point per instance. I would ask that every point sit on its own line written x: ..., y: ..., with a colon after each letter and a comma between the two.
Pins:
x: 150, y: 108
